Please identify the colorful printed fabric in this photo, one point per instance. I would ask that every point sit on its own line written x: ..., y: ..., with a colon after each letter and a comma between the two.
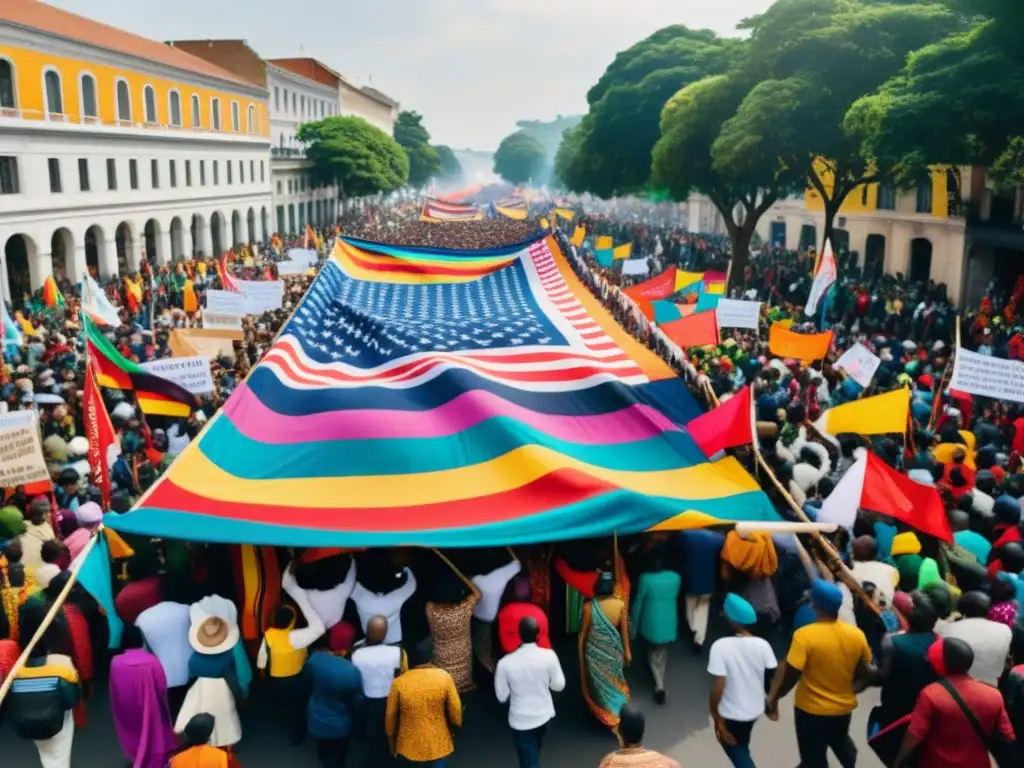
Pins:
x: 604, y: 664
x: 439, y: 211
x: 446, y: 398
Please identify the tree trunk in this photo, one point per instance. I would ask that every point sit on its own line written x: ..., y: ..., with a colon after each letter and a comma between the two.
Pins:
x: 740, y: 238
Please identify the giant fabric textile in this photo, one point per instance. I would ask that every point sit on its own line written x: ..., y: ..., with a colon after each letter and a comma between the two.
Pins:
x: 447, y: 398
x: 439, y: 210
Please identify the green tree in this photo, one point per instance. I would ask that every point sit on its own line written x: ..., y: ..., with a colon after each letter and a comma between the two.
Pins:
x: 959, y: 100
x: 451, y: 168
x: 361, y: 159
x: 519, y: 158
x: 424, y: 162
x: 610, y: 153
x: 549, y: 134
x: 684, y: 161
x: 813, y: 59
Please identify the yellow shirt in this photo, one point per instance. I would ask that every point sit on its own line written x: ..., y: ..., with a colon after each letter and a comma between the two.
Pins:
x: 423, y: 706
x: 285, y: 661
x: 827, y: 653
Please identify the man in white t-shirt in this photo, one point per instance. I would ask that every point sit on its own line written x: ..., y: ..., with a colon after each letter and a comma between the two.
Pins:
x: 740, y: 665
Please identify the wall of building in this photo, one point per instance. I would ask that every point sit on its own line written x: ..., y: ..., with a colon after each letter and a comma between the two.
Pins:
x: 293, y: 100
x: 296, y: 202
x: 357, y: 103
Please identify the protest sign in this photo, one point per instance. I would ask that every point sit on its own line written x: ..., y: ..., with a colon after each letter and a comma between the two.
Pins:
x: 859, y: 363
x: 986, y: 376
x: 221, y: 321
x: 733, y: 313
x: 285, y: 268
x: 228, y: 302
x: 635, y: 267
x: 192, y: 373
x: 21, y: 452
x: 261, y: 295
x: 304, y: 256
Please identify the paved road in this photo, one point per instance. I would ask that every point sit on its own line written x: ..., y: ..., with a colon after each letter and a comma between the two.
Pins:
x: 680, y: 728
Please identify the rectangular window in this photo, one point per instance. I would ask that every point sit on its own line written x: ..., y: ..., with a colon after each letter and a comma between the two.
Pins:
x: 188, y: 173
x: 295, y: 103
x: 279, y: 186
x: 202, y: 173
x: 886, y: 198
x: 241, y: 172
x: 235, y: 119
x: 133, y: 174
x: 8, y: 175
x: 174, y: 173
x: 252, y: 171
x: 154, y: 172
x: 111, y: 174
x: 228, y: 166
x: 54, y: 166
x: 216, y: 172
x: 285, y: 99
x: 263, y: 168
x: 83, y: 174
x: 924, y: 197
x: 277, y: 98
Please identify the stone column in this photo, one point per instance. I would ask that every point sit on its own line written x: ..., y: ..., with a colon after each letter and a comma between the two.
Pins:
x: 77, y: 267
x: 202, y: 239
x: 40, y: 266
x: 107, y: 253
x: 164, y: 252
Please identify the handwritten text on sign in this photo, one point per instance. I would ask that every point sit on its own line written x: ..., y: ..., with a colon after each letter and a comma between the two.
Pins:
x: 860, y: 364
x: 192, y: 373
x: 220, y: 321
x: 21, y: 453
x: 228, y: 302
x: 986, y: 376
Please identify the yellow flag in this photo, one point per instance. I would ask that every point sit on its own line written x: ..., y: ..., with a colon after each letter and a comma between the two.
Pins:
x: 565, y: 213
x: 602, y: 242
x: 623, y: 251
x: 544, y: 223
x: 684, y: 279
x: 718, y: 288
x: 879, y: 415
x: 578, y: 235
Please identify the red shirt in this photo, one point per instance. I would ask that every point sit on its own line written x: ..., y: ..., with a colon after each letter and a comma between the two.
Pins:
x: 509, y: 618
x: 946, y: 735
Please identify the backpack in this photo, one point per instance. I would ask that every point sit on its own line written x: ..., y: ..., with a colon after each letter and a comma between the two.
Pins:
x: 37, y: 708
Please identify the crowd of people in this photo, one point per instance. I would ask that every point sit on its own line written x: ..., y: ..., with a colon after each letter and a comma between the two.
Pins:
x: 377, y: 647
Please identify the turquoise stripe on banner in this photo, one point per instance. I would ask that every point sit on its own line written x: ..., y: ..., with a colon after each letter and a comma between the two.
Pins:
x: 665, y: 311
x: 692, y: 288
x: 225, y: 445
x: 624, y: 512
x: 707, y: 301
x: 604, y: 257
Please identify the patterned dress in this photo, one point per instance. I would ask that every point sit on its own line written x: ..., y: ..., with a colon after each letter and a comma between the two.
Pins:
x: 453, y: 650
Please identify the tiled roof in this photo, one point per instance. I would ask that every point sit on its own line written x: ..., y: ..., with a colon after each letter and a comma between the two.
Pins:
x: 55, y: 21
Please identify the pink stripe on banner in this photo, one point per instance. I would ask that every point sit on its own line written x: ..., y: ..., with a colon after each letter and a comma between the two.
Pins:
x: 258, y: 422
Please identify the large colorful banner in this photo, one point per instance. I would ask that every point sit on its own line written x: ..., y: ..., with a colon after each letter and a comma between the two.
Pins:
x: 806, y: 347
x: 448, y: 398
x: 441, y: 211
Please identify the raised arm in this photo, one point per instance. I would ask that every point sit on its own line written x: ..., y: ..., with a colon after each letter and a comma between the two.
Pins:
x: 473, y: 588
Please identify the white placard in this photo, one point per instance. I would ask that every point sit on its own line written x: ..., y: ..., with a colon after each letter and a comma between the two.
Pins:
x: 860, y: 364
x: 986, y: 376
x: 262, y: 295
x: 21, y: 453
x: 304, y: 256
x: 228, y: 302
x: 286, y: 268
x: 192, y: 373
x: 221, y: 321
x: 733, y: 313
x: 634, y: 267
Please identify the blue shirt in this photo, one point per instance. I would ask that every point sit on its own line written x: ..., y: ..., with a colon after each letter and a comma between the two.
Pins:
x: 701, y: 551
x: 336, y: 697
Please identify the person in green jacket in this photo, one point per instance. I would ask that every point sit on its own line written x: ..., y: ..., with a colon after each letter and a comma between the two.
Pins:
x: 655, y: 617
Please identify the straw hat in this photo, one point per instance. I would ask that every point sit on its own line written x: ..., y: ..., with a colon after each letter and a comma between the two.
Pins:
x: 212, y: 635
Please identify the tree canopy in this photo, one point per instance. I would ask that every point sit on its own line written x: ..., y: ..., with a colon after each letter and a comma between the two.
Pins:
x: 451, y: 168
x: 349, y: 151
x: 519, y: 158
x: 424, y: 161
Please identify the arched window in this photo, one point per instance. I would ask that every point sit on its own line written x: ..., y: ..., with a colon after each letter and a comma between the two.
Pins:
x: 215, y: 114
x: 235, y: 117
x: 149, y: 103
x: 54, y: 92
x: 250, y: 124
x: 196, y: 122
x: 8, y: 93
x: 124, y: 102
x: 174, y: 108
x: 88, y: 94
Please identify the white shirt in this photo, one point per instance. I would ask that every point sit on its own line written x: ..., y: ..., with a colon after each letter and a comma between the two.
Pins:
x: 370, y: 604
x: 377, y: 665
x: 883, y: 576
x: 329, y: 604
x: 165, y: 630
x: 527, y: 676
x: 492, y: 587
x: 990, y: 642
x: 742, y: 661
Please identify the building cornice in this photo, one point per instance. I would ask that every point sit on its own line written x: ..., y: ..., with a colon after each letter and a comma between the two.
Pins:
x: 39, y: 40
x: 127, y: 208
x: 290, y: 76
x: 14, y: 125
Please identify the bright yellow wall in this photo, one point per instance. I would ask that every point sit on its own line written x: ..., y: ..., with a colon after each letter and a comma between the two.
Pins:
x: 30, y: 65
x: 865, y: 200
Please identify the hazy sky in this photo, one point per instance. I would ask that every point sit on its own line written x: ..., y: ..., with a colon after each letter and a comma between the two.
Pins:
x: 472, y: 67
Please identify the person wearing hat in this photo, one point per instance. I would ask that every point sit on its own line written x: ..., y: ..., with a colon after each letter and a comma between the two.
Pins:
x: 739, y: 665
x: 824, y: 661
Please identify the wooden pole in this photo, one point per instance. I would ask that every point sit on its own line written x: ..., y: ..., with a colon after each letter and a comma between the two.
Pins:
x: 50, y: 616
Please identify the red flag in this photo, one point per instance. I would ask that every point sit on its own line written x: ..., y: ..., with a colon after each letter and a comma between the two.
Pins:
x: 100, y: 433
x: 729, y: 425
x: 660, y: 287
x: 697, y: 330
x: 894, y: 494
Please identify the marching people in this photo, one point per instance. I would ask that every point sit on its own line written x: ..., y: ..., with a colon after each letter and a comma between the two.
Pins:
x: 336, y: 697
x: 655, y: 618
x: 378, y: 664
x: 632, y: 754
x: 422, y: 710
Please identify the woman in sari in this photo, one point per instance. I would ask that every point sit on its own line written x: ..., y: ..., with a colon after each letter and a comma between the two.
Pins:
x: 604, y: 651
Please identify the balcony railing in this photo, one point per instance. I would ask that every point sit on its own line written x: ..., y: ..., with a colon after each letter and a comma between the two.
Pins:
x: 59, y: 117
x: 287, y: 152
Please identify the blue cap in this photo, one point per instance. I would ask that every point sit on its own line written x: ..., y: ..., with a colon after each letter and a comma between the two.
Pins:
x: 739, y: 611
x: 826, y: 596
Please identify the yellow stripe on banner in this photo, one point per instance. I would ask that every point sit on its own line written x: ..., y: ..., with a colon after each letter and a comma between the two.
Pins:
x: 687, y: 521
x: 194, y: 472
x: 404, y: 278
x: 565, y: 213
x: 715, y: 288
x: 622, y: 252
x: 469, y: 264
x: 518, y: 214
x: 162, y: 407
x: 684, y: 279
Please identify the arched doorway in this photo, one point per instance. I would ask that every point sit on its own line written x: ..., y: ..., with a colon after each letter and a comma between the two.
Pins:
x: 236, y: 228
x: 125, y: 242
x: 94, y: 241
x: 840, y: 241
x: 152, y: 233
x: 17, y: 251
x: 264, y: 233
x: 920, y: 259
x: 198, y: 235
x: 177, y: 240
x: 291, y: 219
x: 251, y: 222
x: 874, y: 257
x: 216, y: 232
x: 808, y: 237
x: 62, y: 250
